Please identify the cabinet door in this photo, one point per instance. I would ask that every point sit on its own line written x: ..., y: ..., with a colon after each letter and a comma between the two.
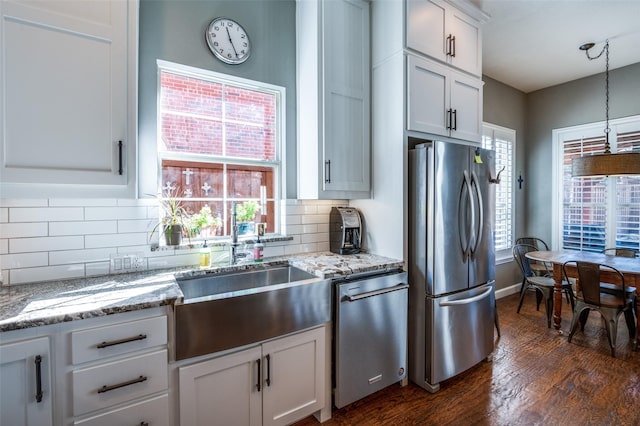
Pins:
x: 466, y: 102
x: 293, y: 377
x: 426, y: 27
x: 427, y: 96
x: 65, y: 77
x: 222, y: 391
x: 466, y: 53
x: 346, y: 95
x: 20, y: 383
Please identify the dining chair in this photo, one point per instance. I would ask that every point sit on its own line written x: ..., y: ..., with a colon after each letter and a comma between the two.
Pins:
x: 538, y: 268
x: 610, y: 306
x: 621, y: 251
x: 543, y: 285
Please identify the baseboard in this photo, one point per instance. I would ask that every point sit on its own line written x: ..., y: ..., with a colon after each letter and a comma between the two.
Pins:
x: 507, y: 291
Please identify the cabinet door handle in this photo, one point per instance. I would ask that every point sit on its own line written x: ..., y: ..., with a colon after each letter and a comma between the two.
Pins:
x: 327, y: 171
x: 448, y: 119
x: 453, y: 44
x: 38, y: 362
x: 448, y: 52
x: 259, y: 376
x: 120, y: 158
x: 121, y: 341
x: 106, y: 388
x: 455, y: 120
x: 268, y: 357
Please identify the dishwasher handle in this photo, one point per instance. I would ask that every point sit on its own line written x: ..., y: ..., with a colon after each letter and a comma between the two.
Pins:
x: 400, y: 286
x: 468, y: 300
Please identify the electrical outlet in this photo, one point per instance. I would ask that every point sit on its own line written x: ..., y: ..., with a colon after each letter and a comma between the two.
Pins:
x: 122, y: 263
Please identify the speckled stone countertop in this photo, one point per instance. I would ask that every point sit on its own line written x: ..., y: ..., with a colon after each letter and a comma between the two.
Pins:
x: 37, y: 304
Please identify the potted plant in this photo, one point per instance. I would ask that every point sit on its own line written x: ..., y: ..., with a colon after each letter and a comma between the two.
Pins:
x: 204, y: 223
x: 174, y: 220
x: 245, y: 214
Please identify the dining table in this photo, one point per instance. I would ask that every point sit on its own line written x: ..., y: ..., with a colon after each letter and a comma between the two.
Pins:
x: 628, y: 266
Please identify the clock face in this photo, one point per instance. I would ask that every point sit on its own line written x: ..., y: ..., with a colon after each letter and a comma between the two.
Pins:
x: 228, y: 41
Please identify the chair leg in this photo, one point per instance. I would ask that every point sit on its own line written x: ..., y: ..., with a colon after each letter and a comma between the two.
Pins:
x: 631, y: 322
x: 522, y: 293
x: 549, y: 306
x: 539, y: 297
x: 584, y: 315
x: 576, y: 320
x: 612, y: 332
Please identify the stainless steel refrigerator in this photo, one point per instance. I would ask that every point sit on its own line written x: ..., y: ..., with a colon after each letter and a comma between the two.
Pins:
x: 451, y: 260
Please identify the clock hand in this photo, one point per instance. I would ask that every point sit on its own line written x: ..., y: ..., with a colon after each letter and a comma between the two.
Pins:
x: 231, y: 41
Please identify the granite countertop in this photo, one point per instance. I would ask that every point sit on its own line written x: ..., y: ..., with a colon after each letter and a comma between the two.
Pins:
x: 37, y: 304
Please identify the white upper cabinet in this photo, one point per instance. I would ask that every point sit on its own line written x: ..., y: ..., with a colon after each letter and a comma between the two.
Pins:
x: 439, y: 30
x: 333, y: 97
x: 443, y: 101
x: 68, y: 88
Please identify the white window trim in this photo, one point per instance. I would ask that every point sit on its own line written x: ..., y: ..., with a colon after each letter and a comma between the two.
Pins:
x: 573, y: 132
x: 505, y: 256
x: 280, y: 162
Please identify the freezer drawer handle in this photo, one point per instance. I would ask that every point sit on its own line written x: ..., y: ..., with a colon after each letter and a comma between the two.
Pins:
x: 360, y: 296
x: 469, y: 300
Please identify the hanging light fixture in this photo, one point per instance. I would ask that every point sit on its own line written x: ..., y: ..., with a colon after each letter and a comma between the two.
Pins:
x: 607, y: 164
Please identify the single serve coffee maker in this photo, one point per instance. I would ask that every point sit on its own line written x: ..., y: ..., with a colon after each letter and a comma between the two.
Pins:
x: 345, y: 230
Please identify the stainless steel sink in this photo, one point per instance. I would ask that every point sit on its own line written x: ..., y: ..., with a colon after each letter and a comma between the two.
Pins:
x: 232, y: 309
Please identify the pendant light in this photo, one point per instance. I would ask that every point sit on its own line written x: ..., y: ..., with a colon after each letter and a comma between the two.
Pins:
x: 607, y: 164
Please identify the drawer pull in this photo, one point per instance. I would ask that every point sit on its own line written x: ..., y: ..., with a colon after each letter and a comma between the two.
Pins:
x: 121, y: 341
x: 106, y: 388
x: 38, y: 362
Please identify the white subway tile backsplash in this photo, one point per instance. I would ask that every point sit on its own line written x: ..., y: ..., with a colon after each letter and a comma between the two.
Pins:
x: 24, y: 202
x: 44, y: 214
x: 24, y: 260
x: 96, y: 269
x: 24, y: 245
x: 113, y: 213
x: 139, y: 225
x: 42, y: 240
x: 314, y: 218
x: 83, y: 228
x: 79, y: 256
x: 115, y: 240
x: 82, y: 202
x: 46, y: 273
x: 22, y: 230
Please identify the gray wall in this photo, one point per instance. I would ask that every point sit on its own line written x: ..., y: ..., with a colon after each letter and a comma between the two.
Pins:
x: 173, y: 30
x: 570, y: 104
x: 505, y: 106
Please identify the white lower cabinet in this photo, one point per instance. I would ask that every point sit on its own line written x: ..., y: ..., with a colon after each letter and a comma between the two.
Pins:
x: 25, y: 383
x: 275, y: 383
x: 150, y: 412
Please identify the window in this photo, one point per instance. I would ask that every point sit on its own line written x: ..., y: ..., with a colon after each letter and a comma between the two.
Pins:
x: 220, y: 142
x: 502, y: 141
x: 599, y: 212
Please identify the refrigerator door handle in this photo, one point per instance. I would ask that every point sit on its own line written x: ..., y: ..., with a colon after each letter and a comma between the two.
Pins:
x: 469, y: 300
x: 463, y: 226
x: 478, y: 236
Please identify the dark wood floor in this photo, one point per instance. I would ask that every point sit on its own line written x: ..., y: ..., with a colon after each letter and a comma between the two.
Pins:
x: 536, y: 378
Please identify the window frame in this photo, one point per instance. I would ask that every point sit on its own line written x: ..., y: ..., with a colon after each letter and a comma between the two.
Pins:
x: 278, y: 164
x: 584, y: 131
x: 505, y: 255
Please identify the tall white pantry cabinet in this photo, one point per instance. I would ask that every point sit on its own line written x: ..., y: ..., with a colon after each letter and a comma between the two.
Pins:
x: 68, y: 90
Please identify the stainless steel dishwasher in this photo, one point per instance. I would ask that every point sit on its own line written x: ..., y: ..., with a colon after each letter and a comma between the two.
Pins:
x: 370, y: 334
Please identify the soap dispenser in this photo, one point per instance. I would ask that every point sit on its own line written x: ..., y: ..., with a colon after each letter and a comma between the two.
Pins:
x: 205, y: 255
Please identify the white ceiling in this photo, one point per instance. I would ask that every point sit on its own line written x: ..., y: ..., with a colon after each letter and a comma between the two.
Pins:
x: 533, y: 44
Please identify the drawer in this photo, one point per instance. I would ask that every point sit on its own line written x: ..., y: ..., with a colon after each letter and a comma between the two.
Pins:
x: 111, y: 383
x: 100, y: 342
x: 152, y: 412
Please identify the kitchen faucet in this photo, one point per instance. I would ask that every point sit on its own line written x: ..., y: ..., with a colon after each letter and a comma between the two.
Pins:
x: 233, y: 247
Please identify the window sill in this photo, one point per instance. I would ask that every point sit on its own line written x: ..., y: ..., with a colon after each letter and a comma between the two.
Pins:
x: 220, y: 242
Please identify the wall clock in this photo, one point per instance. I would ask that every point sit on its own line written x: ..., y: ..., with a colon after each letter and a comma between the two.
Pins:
x: 228, y: 41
